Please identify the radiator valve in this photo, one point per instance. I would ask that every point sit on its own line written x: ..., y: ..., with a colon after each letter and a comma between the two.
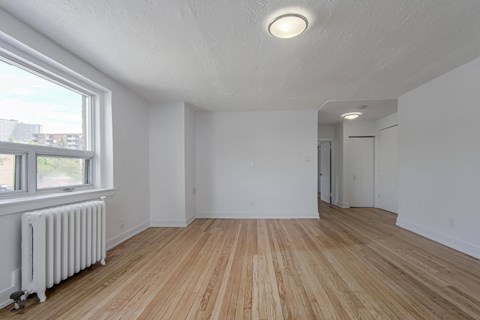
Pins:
x: 18, y: 298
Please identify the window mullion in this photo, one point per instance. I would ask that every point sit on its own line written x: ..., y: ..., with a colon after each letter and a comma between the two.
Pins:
x: 19, y: 173
x: 31, y: 172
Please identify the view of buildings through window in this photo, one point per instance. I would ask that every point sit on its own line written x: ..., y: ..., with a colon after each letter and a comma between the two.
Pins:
x: 12, y: 130
x: 36, y: 111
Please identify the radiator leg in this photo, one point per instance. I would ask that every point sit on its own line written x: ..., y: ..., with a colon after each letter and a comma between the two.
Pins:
x: 18, y: 298
x: 41, y: 296
x: 102, y: 262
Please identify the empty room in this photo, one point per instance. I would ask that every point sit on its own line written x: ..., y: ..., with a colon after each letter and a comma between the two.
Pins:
x: 240, y: 159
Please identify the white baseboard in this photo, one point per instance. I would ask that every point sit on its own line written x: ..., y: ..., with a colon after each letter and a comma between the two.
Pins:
x: 341, y: 205
x: 115, y: 241
x: 256, y: 216
x: 169, y: 223
x: 459, y: 245
x: 190, y: 220
x: 14, y: 286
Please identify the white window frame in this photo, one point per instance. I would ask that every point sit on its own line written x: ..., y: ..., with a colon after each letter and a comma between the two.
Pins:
x: 30, y: 174
x: 100, y: 152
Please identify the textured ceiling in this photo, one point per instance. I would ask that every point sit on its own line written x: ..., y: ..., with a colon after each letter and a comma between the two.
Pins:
x: 218, y: 55
x: 331, y: 111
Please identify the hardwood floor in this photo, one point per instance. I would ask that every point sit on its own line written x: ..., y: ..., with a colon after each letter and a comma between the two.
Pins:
x: 351, y: 264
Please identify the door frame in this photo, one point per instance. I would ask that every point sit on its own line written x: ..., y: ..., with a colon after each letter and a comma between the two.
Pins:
x: 332, y: 166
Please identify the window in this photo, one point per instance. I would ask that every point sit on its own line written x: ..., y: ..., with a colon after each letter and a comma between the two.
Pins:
x: 46, y: 131
x: 11, y: 168
x: 54, y: 172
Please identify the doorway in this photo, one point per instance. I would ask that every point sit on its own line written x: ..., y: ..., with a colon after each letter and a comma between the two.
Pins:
x: 325, y: 171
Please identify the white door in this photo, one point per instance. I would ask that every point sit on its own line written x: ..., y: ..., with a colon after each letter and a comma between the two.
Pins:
x: 360, y: 172
x: 325, y: 171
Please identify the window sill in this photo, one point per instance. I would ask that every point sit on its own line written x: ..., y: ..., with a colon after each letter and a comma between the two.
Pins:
x: 21, y: 204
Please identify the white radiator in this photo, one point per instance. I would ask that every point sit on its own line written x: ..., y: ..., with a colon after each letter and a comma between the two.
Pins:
x: 59, y: 242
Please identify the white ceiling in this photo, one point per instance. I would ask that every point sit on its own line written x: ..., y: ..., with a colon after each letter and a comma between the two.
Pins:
x: 331, y: 111
x: 218, y: 55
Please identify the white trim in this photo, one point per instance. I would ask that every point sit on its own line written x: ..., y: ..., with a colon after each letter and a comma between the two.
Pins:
x: 14, y: 286
x: 124, y: 236
x: 171, y: 223
x: 190, y: 220
x: 459, y: 245
x: 167, y: 223
x: 256, y: 216
x: 333, y: 166
x: 10, y: 46
x: 21, y: 204
x: 341, y: 205
x: 15, y: 148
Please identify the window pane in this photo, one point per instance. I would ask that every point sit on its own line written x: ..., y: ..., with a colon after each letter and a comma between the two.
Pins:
x: 55, y: 172
x: 34, y: 110
x: 9, y: 172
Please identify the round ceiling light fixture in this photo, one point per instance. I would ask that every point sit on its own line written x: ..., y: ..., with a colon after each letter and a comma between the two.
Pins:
x: 351, y: 115
x: 288, y: 26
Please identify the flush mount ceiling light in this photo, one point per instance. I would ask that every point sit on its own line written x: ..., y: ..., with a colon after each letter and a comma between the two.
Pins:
x: 288, y: 26
x: 351, y: 115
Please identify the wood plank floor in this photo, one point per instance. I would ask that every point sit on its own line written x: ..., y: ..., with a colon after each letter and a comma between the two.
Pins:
x: 351, y: 264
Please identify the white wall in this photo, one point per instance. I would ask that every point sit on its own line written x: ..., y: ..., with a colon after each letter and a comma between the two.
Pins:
x: 358, y: 127
x: 189, y: 163
x: 326, y: 132
x: 130, y: 143
x: 337, y: 166
x: 172, y: 164
x: 167, y: 164
x: 256, y: 164
x: 131, y: 167
x: 387, y: 121
x: 439, y: 173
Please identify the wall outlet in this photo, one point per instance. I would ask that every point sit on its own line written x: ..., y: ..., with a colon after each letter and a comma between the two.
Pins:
x: 122, y: 224
x: 252, y: 203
